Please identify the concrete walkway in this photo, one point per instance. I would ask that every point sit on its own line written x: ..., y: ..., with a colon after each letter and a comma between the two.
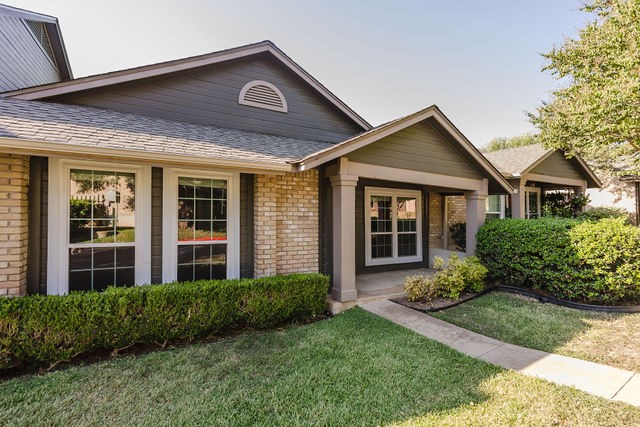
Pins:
x: 593, y: 378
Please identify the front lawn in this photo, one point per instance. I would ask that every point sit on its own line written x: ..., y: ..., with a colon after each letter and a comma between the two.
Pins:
x: 611, y: 339
x: 354, y: 369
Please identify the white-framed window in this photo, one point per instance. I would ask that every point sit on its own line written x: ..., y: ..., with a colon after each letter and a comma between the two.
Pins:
x: 532, y: 202
x: 393, y: 226
x: 99, y: 225
x: 495, y: 206
x: 201, y: 225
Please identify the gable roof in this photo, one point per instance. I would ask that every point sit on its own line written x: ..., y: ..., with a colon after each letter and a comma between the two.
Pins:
x: 50, y: 127
x: 518, y: 161
x: 163, y: 68
x: 52, y: 27
x: 389, y: 128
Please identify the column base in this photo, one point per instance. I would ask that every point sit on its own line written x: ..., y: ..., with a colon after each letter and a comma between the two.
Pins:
x: 344, y: 295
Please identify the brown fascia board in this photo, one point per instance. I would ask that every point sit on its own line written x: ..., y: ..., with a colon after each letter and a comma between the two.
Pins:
x: 163, y: 68
x: 59, y: 50
x: 585, y: 167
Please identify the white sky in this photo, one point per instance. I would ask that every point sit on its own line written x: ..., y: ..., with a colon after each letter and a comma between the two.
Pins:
x: 477, y: 60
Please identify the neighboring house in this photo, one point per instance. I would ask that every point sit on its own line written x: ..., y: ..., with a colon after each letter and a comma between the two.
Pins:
x: 31, y: 50
x: 532, y: 171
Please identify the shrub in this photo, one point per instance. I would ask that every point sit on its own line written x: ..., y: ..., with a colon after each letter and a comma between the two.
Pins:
x: 590, y: 261
x: 459, y: 235
x: 450, y: 281
x: 601, y: 212
x: 38, y: 329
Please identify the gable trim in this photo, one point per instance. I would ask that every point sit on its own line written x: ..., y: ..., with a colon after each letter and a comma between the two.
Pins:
x: 154, y: 70
x: 581, y: 162
x: 376, y: 134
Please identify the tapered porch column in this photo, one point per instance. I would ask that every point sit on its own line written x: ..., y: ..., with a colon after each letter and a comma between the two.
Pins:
x: 344, y: 245
x: 518, y: 201
x: 476, y: 213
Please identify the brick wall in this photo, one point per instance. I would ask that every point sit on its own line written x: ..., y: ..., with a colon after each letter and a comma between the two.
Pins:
x: 456, y: 212
x: 286, y: 223
x: 435, y: 220
x: 14, y: 181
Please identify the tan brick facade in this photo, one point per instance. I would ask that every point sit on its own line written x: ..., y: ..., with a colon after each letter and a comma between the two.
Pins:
x: 286, y: 223
x: 456, y: 212
x: 14, y: 185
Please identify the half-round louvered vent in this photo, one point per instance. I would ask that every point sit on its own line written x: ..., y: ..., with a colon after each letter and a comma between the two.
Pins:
x: 261, y: 94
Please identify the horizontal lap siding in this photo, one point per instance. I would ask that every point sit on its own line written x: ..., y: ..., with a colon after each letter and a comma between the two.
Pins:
x: 557, y: 165
x: 360, y: 227
x: 209, y: 96
x: 24, y: 63
x: 418, y: 148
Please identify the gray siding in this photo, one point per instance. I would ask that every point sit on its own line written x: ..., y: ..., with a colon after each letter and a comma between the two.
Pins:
x: 209, y: 96
x: 38, y: 211
x: 360, y: 228
x: 558, y: 165
x: 420, y: 148
x: 156, y: 225
x: 23, y: 62
x: 246, y: 225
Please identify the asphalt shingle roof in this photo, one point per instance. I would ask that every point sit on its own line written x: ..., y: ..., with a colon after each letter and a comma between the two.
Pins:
x: 89, y: 126
x: 515, y: 161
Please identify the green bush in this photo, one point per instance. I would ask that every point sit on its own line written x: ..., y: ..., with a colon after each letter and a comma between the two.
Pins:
x: 601, y: 212
x: 38, y: 329
x: 450, y: 281
x: 589, y: 261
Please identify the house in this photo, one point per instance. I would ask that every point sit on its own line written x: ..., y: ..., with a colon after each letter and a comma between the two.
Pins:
x: 232, y: 164
x: 533, y: 171
x: 31, y: 48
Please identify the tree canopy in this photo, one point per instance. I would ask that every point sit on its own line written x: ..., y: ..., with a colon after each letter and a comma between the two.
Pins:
x: 597, y: 112
x: 503, y: 142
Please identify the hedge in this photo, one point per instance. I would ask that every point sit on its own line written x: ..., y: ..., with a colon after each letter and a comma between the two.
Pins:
x: 38, y: 329
x: 595, y: 262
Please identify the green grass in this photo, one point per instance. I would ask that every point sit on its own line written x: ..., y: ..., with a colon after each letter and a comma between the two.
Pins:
x: 611, y: 339
x: 354, y: 369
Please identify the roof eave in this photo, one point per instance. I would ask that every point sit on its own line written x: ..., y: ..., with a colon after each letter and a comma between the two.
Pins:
x: 31, y: 146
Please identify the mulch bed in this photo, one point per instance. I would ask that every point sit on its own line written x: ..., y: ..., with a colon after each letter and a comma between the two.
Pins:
x: 436, y: 304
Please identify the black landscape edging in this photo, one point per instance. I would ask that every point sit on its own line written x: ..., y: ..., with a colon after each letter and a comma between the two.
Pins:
x: 537, y: 295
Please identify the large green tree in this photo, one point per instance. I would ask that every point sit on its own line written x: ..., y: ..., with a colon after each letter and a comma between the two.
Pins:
x: 596, y: 111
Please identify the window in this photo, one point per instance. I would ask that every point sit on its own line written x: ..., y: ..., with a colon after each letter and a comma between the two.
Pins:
x: 201, y: 226
x: 393, y: 226
x: 495, y: 206
x: 261, y: 94
x: 532, y: 202
x: 103, y: 232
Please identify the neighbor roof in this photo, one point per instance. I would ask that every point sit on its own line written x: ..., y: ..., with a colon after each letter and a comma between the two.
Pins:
x: 515, y: 162
x: 52, y: 27
x: 163, y: 68
x: 46, y: 126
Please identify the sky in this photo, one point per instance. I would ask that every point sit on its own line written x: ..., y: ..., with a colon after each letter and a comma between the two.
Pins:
x: 478, y: 60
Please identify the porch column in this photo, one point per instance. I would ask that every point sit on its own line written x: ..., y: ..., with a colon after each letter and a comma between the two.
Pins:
x: 517, y: 201
x: 578, y: 192
x: 344, y: 245
x: 476, y: 212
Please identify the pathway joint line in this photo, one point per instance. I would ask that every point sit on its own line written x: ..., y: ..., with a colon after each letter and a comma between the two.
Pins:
x: 623, y: 385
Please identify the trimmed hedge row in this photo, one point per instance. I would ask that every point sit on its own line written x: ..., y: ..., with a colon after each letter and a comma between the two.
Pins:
x: 37, y: 329
x: 596, y: 262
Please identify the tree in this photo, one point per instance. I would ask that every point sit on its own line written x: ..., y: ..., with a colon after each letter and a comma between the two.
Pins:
x: 597, y: 113
x: 501, y: 143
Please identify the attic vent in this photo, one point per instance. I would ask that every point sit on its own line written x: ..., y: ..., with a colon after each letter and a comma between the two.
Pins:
x: 40, y: 34
x: 261, y: 94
